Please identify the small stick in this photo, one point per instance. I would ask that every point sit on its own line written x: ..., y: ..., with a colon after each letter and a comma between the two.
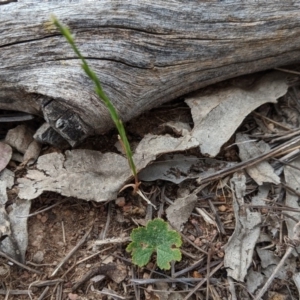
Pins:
x: 249, y: 162
x: 7, y: 295
x: 231, y: 288
x: 168, y: 280
x: 190, y: 268
x: 285, y: 136
x: 139, y: 192
x: 103, y: 233
x: 43, y: 210
x: 43, y: 293
x: 93, y: 255
x: 84, y: 259
x: 63, y: 232
x: 19, y: 264
x: 15, y: 292
x: 274, y: 208
x: 46, y: 282
x: 203, y: 281
x: 113, y: 241
x: 136, y: 290
x: 59, y: 292
x: 80, y: 243
x: 287, y: 71
x: 217, y: 217
x: 193, y: 244
x: 97, y: 270
x: 292, y: 244
x: 208, y: 271
x: 270, y: 120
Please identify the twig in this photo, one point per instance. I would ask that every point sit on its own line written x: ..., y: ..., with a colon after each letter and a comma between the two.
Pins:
x: 231, y: 288
x: 113, y: 241
x: 59, y: 292
x: 208, y: 271
x: 15, y: 292
x: 46, y: 282
x: 270, y: 120
x: 250, y: 162
x: 273, y: 207
x: 93, y: 255
x: 136, y: 290
x: 285, y: 136
x: 63, y: 232
x: 114, y: 295
x: 19, y: 264
x: 191, y: 243
x: 283, y: 162
x: 104, y: 232
x: 190, y: 268
x: 157, y: 273
x: 292, y: 243
x: 43, y: 210
x: 290, y: 189
x: 97, y: 270
x: 168, y: 280
x: 139, y: 192
x: 189, y: 255
x: 80, y: 243
x: 44, y: 293
x: 217, y: 217
x: 83, y: 260
x: 203, y: 281
x: 287, y: 71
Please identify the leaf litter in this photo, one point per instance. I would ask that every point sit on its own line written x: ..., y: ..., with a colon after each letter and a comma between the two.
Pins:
x: 243, y: 226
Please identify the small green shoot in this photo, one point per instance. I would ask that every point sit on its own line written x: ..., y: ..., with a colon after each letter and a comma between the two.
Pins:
x: 155, y: 237
x: 98, y: 88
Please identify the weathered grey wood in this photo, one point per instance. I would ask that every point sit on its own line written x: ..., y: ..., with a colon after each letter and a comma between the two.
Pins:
x: 145, y: 53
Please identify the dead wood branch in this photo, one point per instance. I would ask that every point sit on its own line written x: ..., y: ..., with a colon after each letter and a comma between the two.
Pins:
x: 145, y: 53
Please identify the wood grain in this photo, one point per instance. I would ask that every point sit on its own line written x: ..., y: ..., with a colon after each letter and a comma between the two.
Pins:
x: 145, y: 53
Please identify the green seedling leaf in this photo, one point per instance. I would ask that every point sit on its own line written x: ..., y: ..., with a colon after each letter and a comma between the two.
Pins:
x: 155, y: 237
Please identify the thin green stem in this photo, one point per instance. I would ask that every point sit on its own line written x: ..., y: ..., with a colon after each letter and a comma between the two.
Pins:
x: 98, y: 88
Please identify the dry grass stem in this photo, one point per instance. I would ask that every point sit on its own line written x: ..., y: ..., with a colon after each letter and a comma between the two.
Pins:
x: 19, y: 264
x: 72, y: 252
x: 113, y: 241
x: 242, y: 165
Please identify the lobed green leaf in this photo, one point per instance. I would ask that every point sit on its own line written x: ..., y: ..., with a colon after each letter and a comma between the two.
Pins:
x: 155, y: 237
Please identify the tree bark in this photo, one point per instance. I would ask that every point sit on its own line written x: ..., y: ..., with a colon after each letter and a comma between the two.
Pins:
x: 144, y: 52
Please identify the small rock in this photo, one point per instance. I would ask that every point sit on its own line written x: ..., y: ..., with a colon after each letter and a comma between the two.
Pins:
x: 38, y: 257
x: 222, y: 208
x: 120, y: 201
x: 72, y: 296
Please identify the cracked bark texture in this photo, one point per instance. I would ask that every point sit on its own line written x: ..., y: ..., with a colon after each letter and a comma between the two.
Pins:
x: 144, y: 52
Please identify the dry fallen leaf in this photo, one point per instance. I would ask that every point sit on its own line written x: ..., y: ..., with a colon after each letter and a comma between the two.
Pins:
x: 179, y: 212
x: 263, y: 171
x: 19, y: 138
x: 240, y: 247
x: 177, y: 168
x: 84, y: 174
x: 217, y: 116
x: 91, y: 175
x: 254, y: 280
x: 5, y: 155
x: 296, y: 278
x: 292, y: 178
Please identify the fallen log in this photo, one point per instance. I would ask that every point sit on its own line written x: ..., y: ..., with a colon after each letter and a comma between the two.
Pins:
x: 144, y: 52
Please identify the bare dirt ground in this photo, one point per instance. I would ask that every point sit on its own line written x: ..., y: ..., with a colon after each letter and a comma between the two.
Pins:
x: 63, y: 231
